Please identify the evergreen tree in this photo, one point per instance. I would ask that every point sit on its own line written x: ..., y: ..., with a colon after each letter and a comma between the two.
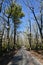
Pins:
x: 16, y: 14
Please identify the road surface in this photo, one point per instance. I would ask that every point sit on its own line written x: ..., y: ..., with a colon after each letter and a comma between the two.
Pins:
x: 24, y: 57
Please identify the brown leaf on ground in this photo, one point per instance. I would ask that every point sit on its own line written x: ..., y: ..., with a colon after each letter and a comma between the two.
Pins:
x: 38, y: 55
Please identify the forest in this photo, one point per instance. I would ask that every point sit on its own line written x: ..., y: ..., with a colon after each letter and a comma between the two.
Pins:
x: 21, y: 24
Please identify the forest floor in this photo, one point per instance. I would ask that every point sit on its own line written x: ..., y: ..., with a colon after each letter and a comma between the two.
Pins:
x: 22, y: 57
x: 38, y: 55
x: 4, y: 60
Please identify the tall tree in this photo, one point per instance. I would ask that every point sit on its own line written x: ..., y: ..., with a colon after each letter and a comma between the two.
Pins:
x: 1, y: 2
x: 2, y: 28
x: 16, y: 15
x: 30, y: 34
x: 35, y: 28
x: 28, y: 3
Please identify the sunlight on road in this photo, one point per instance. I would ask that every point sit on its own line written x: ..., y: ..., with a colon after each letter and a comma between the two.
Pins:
x: 24, y: 57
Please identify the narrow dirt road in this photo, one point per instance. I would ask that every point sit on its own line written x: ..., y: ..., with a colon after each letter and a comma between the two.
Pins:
x: 24, y: 57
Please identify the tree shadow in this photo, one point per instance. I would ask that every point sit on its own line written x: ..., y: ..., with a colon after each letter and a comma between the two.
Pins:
x: 4, y: 60
x: 16, y: 60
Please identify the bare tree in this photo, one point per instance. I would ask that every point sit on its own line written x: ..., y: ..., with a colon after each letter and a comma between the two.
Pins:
x: 35, y: 28
x: 31, y: 7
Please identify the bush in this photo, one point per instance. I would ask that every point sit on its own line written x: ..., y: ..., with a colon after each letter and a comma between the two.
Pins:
x: 33, y: 46
x: 27, y: 47
x: 4, y: 47
x: 17, y: 46
x: 42, y: 46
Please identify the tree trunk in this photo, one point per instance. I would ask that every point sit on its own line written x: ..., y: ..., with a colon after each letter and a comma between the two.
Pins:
x: 8, y: 33
x: 30, y: 41
x: 14, y: 34
x: 40, y: 28
x: 1, y: 37
x: 30, y: 35
x: 37, y: 41
x: 1, y: 46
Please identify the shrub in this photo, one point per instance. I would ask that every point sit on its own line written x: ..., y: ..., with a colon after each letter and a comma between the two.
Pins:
x: 33, y: 46
x: 27, y: 47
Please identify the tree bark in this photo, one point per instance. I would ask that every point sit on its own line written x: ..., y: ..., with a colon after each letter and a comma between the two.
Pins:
x: 14, y: 34
x: 40, y: 28
x: 8, y: 33
x: 1, y: 46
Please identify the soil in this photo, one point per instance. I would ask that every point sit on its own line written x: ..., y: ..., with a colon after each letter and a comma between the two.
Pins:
x: 4, y: 60
x: 38, y: 55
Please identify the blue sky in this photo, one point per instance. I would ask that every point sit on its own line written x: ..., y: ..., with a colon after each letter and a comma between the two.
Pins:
x: 25, y: 18
x: 28, y: 14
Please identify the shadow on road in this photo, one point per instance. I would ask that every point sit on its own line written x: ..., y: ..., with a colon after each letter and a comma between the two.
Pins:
x: 16, y: 60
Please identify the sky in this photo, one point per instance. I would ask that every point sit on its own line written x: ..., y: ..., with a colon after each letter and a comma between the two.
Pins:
x: 28, y: 14
x: 25, y: 18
